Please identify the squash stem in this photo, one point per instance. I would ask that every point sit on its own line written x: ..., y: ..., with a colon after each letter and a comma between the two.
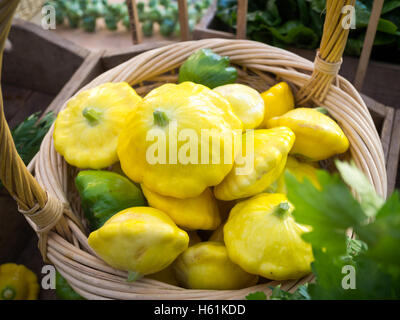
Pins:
x: 322, y: 110
x: 8, y: 293
x: 282, y: 209
x: 92, y: 115
x: 133, y: 276
x: 160, y: 118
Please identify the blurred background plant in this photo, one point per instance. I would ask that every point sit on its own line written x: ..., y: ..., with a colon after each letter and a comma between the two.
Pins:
x: 84, y: 13
x: 299, y: 23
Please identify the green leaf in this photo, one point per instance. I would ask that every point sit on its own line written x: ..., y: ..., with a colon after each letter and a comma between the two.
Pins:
x: 259, y: 295
x: 300, y: 294
x: 362, y: 15
x: 389, y: 6
x: 294, y: 33
x: 303, y: 11
x: 330, y: 213
x: 382, y: 39
x: 28, y: 135
x: 207, y: 68
x: 354, y: 46
x: 354, y: 177
x: 318, y: 5
x: 355, y: 247
x: 383, y: 234
x: 386, y: 26
x: 372, y: 260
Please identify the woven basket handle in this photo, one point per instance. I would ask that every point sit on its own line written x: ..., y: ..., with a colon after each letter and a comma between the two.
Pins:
x: 13, y: 173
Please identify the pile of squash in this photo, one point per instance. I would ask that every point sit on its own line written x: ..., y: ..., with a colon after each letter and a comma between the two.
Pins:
x: 167, y: 200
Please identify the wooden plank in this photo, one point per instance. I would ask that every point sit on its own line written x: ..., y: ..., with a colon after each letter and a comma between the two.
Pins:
x: 89, y: 69
x: 114, y: 57
x: 241, y: 24
x: 39, y: 60
x: 386, y: 134
x: 184, y: 20
x: 368, y: 43
x: 19, y: 103
x: 14, y: 230
x: 134, y: 21
x: 208, y: 17
x: 35, y: 102
x: 392, y: 165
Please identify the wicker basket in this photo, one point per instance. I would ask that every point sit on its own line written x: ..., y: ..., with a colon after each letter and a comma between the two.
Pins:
x: 28, y: 8
x: 56, y: 216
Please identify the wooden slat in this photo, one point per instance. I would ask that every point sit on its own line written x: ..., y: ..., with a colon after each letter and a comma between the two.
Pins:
x: 134, y: 21
x: 392, y: 165
x: 20, y: 103
x: 208, y: 17
x: 241, y: 24
x: 90, y: 68
x: 37, y: 58
x: 368, y: 43
x: 14, y: 230
x: 386, y: 133
x: 184, y: 20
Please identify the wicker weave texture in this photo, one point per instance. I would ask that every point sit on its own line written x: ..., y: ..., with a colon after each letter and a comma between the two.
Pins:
x: 28, y: 8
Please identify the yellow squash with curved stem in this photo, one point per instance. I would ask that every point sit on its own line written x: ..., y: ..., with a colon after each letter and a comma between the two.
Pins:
x: 277, y: 100
x: 166, y: 144
x: 246, y: 103
x: 206, y: 265
x: 141, y: 240
x: 318, y: 137
x: 264, y: 162
x: 262, y: 237
x: 86, y: 131
x: 200, y: 212
x: 17, y: 282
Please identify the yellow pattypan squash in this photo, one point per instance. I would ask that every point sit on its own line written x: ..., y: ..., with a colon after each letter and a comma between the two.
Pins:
x: 195, y: 213
x: 164, y: 145
x: 277, y: 100
x: 206, y: 265
x: 262, y: 237
x: 300, y: 170
x: 141, y: 240
x: 246, y: 103
x: 86, y: 131
x: 17, y: 282
x: 318, y: 137
x: 271, y: 148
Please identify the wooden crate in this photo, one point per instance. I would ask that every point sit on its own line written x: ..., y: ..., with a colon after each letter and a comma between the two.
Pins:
x: 381, y: 83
